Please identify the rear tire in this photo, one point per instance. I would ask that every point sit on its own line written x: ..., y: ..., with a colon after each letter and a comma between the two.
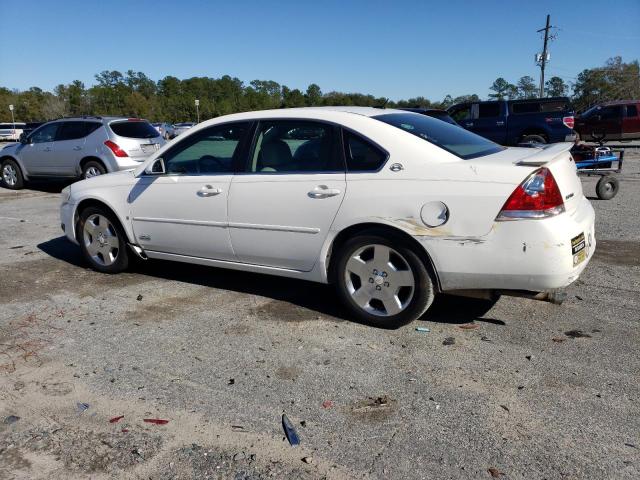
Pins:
x: 11, y: 174
x: 382, y: 281
x: 93, y: 168
x: 102, y: 240
x: 534, y: 139
x: 607, y: 187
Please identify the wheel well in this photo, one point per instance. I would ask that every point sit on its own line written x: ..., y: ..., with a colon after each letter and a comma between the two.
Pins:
x: 84, y: 161
x: 92, y: 202
x: 386, y: 230
x: 534, y: 131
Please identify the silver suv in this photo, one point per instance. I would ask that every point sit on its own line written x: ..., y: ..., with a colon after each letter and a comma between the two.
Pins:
x: 78, y: 147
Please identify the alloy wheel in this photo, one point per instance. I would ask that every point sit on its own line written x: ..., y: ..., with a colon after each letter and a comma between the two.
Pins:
x: 101, y: 240
x: 92, y: 172
x: 379, y: 280
x: 9, y: 175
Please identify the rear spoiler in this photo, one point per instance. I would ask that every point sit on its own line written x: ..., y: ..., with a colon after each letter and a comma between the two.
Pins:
x: 546, y: 154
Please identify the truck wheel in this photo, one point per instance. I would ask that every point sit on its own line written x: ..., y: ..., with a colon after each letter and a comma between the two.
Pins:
x: 11, y: 175
x: 607, y: 187
x: 534, y: 139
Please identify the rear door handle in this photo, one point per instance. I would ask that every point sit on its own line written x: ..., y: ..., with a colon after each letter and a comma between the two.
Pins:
x: 322, y: 191
x: 209, y: 191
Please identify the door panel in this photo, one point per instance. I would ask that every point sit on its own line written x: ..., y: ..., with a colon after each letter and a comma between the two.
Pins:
x: 67, y: 149
x: 37, y: 156
x: 631, y: 122
x: 281, y: 209
x: 490, y: 122
x: 186, y: 215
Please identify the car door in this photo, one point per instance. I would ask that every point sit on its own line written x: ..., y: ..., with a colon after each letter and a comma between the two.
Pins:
x: 489, y: 121
x: 282, y: 206
x: 184, y: 211
x: 631, y: 122
x: 68, y: 146
x: 37, y: 154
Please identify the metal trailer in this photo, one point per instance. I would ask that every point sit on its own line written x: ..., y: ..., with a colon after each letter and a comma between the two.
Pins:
x: 600, y: 161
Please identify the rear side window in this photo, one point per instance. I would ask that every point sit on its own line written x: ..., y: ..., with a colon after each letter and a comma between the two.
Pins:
x: 632, y: 111
x: 539, y: 107
x: 134, y: 129
x: 451, y: 138
x: 525, y: 107
x: 361, y: 155
x: 460, y: 113
x: 291, y: 146
x: 612, y: 112
x: 488, y: 110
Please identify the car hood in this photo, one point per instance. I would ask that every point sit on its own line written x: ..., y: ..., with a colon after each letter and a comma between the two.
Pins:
x: 124, y: 177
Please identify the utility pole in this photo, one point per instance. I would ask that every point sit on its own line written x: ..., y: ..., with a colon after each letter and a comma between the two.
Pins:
x: 543, y: 58
x: 198, y: 109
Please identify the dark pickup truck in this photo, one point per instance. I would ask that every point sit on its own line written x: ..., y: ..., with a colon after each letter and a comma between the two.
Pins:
x: 510, y: 122
x: 619, y: 120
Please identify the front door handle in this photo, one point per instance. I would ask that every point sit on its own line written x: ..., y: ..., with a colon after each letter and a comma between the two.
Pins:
x: 499, y: 123
x: 46, y: 149
x: 77, y: 148
x: 468, y: 124
x: 209, y: 191
x: 322, y: 191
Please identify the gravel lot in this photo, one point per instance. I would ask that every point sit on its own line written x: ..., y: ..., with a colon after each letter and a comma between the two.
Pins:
x: 531, y: 391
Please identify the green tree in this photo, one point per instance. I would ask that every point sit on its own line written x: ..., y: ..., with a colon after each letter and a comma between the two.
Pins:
x: 555, y: 87
x: 501, y: 88
x: 313, y: 95
x: 527, y: 87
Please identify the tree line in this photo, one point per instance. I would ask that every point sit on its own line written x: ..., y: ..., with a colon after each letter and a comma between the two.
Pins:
x: 171, y: 99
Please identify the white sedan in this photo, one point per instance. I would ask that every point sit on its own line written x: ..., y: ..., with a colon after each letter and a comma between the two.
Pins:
x: 390, y: 206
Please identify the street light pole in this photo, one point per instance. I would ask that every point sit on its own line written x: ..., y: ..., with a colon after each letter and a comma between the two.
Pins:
x: 13, y: 120
x: 198, y: 109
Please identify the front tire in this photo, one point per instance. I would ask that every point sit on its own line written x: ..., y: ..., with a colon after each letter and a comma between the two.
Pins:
x: 102, y: 240
x: 92, y: 169
x: 11, y: 174
x: 382, y: 281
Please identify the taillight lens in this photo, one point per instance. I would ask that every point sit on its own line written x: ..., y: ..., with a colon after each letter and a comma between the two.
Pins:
x: 115, y: 148
x: 569, y: 122
x: 537, y: 197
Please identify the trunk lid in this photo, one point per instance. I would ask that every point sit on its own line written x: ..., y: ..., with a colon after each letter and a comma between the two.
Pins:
x: 136, y: 137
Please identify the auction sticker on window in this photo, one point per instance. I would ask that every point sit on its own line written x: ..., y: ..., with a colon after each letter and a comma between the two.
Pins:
x: 578, y: 249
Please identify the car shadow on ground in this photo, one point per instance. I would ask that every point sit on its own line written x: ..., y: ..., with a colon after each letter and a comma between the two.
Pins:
x: 317, y: 297
x: 47, y: 186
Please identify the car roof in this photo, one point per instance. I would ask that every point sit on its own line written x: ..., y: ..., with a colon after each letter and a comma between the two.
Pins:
x: 619, y: 102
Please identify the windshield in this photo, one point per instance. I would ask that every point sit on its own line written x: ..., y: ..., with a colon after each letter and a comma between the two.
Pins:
x: 451, y: 138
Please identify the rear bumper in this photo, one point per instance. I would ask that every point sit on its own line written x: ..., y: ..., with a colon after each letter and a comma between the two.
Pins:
x: 532, y: 255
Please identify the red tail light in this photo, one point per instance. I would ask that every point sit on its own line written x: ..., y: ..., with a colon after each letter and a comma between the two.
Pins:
x: 537, y: 197
x: 569, y: 122
x: 117, y: 151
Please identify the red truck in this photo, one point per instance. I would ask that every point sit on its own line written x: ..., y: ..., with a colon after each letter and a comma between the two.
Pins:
x: 619, y: 120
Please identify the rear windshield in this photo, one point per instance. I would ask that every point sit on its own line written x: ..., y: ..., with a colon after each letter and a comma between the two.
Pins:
x: 451, y: 138
x: 135, y: 129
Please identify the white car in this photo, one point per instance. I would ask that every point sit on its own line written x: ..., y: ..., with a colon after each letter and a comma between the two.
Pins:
x: 390, y: 206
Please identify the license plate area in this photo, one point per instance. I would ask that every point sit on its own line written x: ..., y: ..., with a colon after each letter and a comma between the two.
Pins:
x: 149, y: 148
x: 579, y: 249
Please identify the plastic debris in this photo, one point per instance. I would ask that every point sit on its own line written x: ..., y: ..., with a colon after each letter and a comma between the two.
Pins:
x: 139, y: 298
x: 82, y: 407
x: 422, y: 329
x: 529, y: 357
x: 505, y: 408
x: 469, y: 326
x: 116, y: 419
x: 11, y: 419
x: 231, y: 381
x: 449, y: 341
x: 327, y: 404
x: 289, y: 431
x: 156, y: 421
x: 237, y: 428
x: 307, y: 459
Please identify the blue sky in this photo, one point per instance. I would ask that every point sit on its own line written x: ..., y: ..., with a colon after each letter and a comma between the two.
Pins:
x: 397, y: 49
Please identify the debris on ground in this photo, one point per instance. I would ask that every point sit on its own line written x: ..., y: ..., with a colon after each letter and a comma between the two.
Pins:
x: 469, y: 326
x: 577, y: 334
x: 307, y: 459
x: 10, y: 419
x: 494, y: 472
x: 290, y: 431
x: 505, y: 408
x: 578, y: 297
x: 82, y: 407
x: 116, y: 419
x: 372, y: 404
x: 155, y: 421
x: 449, y: 341
x: 139, y: 298
x: 231, y: 381
x: 558, y: 339
x: 237, y: 428
x: 528, y: 357
x: 327, y: 404
x: 422, y: 329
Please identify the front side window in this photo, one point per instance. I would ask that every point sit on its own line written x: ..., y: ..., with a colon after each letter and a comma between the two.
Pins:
x: 488, y: 110
x: 291, y: 146
x: 632, y: 111
x: 47, y: 133
x: 611, y: 113
x: 460, y: 142
x: 209, y: 152
x: 463, y: 112
x: 361, y: 155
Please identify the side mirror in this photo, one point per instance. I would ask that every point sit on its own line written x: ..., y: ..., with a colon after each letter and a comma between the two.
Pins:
x: 156, y: 168
x: 24, y: 138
